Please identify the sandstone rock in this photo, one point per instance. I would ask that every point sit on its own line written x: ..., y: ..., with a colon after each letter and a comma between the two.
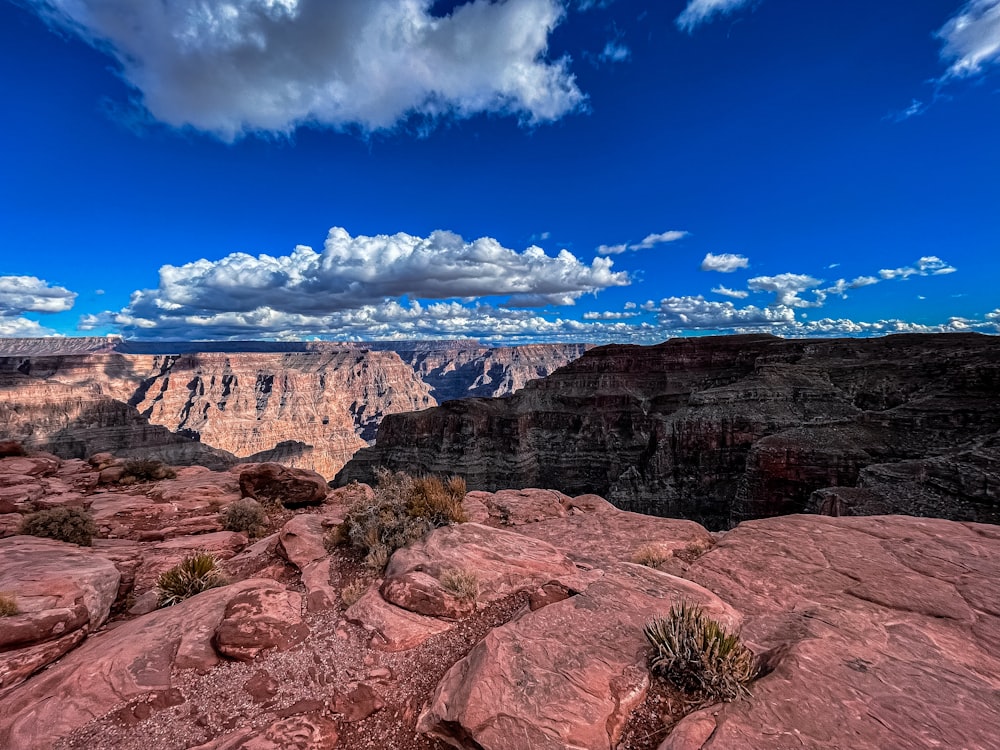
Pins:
x: 392, y: 628
x: 502, y: 561
x: 566, y: 675
x: 516, y: 507
x: 301, y: 542
x: 418, y: 592
x: 292, y: 733
x: 259, y: 620
x: 357, y: 704
x: 880, y: 632
x: 134, y: 659
x: 274, y: 483
x: 162, y: 556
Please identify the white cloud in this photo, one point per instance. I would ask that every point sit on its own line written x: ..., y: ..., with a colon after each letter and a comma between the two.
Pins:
x: 271, y: 65
x: 611, y: 249
x: 972, y: 38
x: 609, y: 315
x: 786, y: 288
x: 698, y: 12
x: 929, y: 265
x: 734, y: 293
x: 697, y: 313
x: 350, y: 283
x: 12, y: 327
x: 30, y: 294
x: 615, y: 51
x: 630, y: 305
x: 724, y: 263
x: 652, y: 240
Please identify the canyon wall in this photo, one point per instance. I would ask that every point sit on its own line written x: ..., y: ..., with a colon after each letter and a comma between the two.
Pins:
x: 723, y: 429
x: 306, y: 404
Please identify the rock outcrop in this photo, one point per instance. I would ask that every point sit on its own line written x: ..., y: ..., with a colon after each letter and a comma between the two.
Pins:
x: 308, y: 405
x: 723, y: 429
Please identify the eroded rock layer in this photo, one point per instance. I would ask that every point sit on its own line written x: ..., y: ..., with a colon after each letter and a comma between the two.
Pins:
x: 723, y: 429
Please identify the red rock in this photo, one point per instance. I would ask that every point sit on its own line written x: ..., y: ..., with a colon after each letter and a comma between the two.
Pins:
x: 11, y: 448
x: 260, y: 620
x: 134, y: 659
x: 392, y: 628
x: 162, y: 556
x: 262, y: 687
x: 35, y: 465
x: 357, y: 704
x: 418, y: 592
x: 274, y: 483
x: 566, y: 675
x: 301, y: 542
x: 516, y: 507
x: 293, y: 733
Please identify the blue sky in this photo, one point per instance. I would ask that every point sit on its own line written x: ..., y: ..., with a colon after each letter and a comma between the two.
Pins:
x: 528, y: 170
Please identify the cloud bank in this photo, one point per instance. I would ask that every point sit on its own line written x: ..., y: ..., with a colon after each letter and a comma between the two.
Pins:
x: 240, y: 66
x: 21, y: 294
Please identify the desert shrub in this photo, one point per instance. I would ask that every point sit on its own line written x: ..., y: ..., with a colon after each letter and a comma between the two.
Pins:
x: 650, y: 555
x: 8, y: 605
x: 246, y: 515
x: 352, y: 592
x: 139, y: 470
x: 699, y: 655
x: 403, y: 510
x: 464, y: 584
x: 73, y: 525
x: 192, y: 575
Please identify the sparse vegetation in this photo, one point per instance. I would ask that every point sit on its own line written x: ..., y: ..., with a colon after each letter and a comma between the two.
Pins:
x: 463, y: 584
x: 650, y: 555
x: 246, y: 515
x: 194, y: 574
x: 405, y: 508
x: 139, y: 470
x: 352, y: 592
x: 8, y: 605
x: 699, y: 655
x: 72, y: 525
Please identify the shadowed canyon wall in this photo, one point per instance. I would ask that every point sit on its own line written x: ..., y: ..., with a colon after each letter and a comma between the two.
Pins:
x: 722, y: 429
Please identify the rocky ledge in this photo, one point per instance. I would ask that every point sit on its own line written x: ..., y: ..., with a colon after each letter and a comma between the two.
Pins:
x: 872, y: 633
x: 726, y: 429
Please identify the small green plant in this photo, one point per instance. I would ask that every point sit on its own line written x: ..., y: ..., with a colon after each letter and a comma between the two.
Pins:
x: 699, y: 656
x: 194, y: 574
x: 72, y: 525
x: 403, y: 510
x: 463, y: 584
x: 8, y: 605
x: 139, y: 470
x: 650, y: 555
x: 352, y: 592
x: 246, y: 515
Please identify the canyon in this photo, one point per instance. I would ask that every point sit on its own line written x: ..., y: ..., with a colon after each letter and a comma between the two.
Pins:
x: 725, y: 429
x: 310, y: 405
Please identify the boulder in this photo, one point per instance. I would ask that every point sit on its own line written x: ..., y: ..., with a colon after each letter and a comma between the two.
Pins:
x: 392, y: 628
x: 301, y: 542
x: 260, y: 620
x: 274, y: 483
x: 566, y: 675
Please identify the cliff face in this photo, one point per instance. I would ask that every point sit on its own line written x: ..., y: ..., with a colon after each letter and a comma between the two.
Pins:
x: 722, y: 429
x: 310, y: 405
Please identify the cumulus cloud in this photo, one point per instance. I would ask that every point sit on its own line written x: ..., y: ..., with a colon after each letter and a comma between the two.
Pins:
x: 724, y: 263
x: 929, y: 265
x: 609, y: 315
x: 734, y: 293
x: 972, y: 38
x: 611, y: 249
x: 21, y: 294
x: 697, y: 313
x: 698, y: 12
x: 350, y: 282
x: 786, y: 288
x: 271, y: 65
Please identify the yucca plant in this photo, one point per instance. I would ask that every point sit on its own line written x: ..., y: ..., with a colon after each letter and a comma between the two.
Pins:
x: 699, y: 655
x: 194, y: 574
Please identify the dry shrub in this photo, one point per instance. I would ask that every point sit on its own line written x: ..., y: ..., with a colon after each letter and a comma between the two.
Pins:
x: 8, y: 605
x: 699, y: 655
x: 403, y: 510
x: 463, y: 584
x: 140, y: 470
x: 72, y: 525
x: 194, y: 574
x: 650, y: 555
x: 246, y: 515
x: 352, y: 592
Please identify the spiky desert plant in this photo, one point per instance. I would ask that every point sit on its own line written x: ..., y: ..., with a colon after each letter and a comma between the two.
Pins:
x: 72, y: 525
x: 8, y: 604
x: 699, y: 655
x: 463, y: 584
x: 650, y: 555
x: 246, y: 515
x: 192, y: 575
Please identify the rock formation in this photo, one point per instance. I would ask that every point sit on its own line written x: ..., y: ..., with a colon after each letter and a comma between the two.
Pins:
x: 309, y: 405
x: 871, y: 633
x: 724, y: 429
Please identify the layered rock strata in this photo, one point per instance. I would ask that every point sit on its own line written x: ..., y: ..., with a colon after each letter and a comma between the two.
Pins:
x: 723, y: 429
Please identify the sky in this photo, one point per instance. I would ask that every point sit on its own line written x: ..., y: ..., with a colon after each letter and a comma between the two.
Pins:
x: 512, y: 171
